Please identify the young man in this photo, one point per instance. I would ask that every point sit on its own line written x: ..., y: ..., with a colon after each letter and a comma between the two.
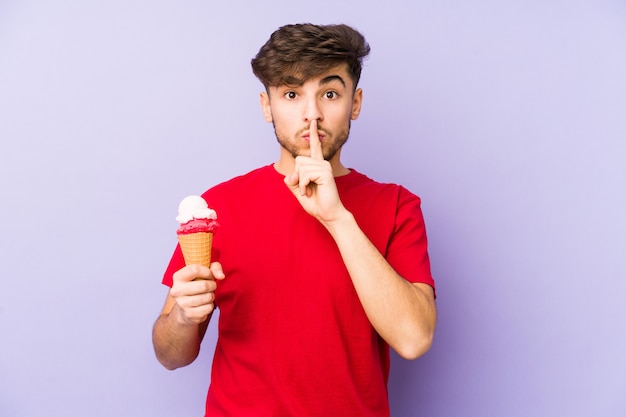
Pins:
x: 317, y: 269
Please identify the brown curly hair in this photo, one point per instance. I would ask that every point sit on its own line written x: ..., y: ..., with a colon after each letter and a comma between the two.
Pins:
x: 299, y: 52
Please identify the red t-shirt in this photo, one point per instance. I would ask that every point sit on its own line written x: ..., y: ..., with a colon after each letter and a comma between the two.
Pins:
x: 293, y: 338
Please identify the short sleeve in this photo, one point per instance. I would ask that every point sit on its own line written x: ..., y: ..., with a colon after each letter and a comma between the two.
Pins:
x: 407, y: 251
x: 176, y: 262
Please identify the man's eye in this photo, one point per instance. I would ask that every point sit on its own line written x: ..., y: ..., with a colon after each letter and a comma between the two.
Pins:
x: 290, y: 95
x: 330, y: 95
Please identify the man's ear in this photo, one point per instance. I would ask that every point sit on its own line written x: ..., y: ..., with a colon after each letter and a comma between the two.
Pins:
x: 357, y: 99
x: 265, y: 106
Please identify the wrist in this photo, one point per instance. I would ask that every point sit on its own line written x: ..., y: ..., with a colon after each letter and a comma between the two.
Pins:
x: 180, y: 318
x: 343, y: 220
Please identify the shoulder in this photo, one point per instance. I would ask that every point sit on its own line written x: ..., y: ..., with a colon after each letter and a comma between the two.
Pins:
x: 235, y: 184
x: 360, y: 186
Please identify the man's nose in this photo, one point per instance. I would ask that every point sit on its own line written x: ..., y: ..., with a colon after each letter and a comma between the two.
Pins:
x: 312, y: 110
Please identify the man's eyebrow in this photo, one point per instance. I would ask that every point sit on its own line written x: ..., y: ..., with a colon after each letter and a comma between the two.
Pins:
x: 331, y: 78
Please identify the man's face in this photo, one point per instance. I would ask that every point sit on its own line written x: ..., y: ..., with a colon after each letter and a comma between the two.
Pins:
x: 329, y: 99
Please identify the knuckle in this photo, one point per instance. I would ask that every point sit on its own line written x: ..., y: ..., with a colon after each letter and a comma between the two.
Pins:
x: 210, y: 298
x: 175, y: 291
x: 206, y: 285
x: 193, y: 270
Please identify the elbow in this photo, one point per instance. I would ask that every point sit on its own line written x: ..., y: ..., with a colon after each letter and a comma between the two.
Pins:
x: 415, y: 334
x: 413, y: 348
x: 171, y: 367
x: 164, y: 361
x: 168, y: 366
x: 171, y: 363
x: 171, y: 358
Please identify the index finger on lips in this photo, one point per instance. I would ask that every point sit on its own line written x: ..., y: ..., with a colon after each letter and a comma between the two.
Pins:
x: 314, y: 142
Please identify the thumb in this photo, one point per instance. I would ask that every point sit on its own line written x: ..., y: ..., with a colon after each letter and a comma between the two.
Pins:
x: 217, y: 271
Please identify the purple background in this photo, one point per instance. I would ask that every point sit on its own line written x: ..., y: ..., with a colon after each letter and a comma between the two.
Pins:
x: 508, y: 118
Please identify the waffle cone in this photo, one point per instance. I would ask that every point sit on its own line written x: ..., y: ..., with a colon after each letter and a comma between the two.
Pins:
x: 196, y: 248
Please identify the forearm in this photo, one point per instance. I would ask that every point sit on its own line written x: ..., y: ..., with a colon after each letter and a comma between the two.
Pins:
x: 176, y: 344
x: 403, y: 313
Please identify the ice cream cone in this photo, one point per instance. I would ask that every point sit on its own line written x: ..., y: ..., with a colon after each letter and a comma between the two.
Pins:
x: 195, y: 235
x: 196, y: 248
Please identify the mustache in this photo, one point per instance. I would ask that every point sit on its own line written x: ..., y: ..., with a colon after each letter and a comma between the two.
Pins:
x: 320, y: 131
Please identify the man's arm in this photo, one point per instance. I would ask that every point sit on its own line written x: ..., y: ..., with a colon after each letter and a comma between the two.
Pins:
x: 179, y: 330
x: 404, y: 314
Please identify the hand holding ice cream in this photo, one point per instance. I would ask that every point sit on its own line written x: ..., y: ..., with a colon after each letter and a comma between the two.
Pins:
x: 193, y: 287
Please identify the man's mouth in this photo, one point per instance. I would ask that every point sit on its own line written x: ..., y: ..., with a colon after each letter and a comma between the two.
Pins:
x: 307, y: 137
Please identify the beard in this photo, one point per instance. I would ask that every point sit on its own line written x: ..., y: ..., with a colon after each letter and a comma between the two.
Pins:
x: 330, y: 145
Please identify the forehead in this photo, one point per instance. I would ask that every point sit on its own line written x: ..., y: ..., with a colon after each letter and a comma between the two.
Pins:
x: 338, y: 74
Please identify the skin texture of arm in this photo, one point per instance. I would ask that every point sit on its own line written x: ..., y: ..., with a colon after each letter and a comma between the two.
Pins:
x: 179, y: 330
x: 403, y: 313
